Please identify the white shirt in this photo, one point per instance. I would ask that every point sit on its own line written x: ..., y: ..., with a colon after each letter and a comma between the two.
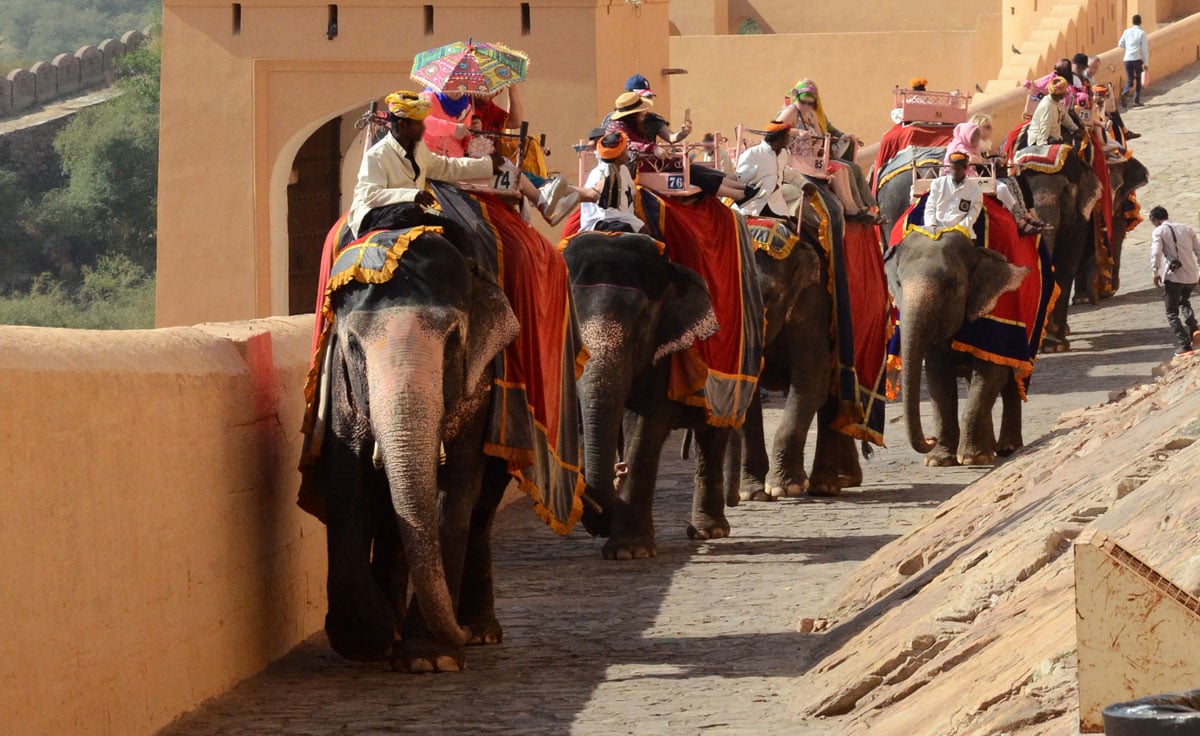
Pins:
x: 769, y: 170
x: 1133, y: 40
x: 950, y: 204
x: 1171, y: 239
x: 591, y: 213
x: 1048, y: 121
x: 387, y: 177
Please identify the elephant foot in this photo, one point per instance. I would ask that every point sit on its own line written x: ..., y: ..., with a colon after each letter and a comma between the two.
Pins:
x: 1006, y: 449
x: 706, y: 527
x: 1055, y: 345
x: 361, y: 630
x: 822, y: 486
x: 941, y: 457
x: 977, y: 458
x: 759, y: 495
x: 419, y: 656
x: 485, y: 629
x: 629, y: 549
x: 791, y: 488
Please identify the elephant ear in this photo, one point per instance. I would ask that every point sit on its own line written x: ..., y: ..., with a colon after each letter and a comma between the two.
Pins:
x: 991, y: 276
x: 1090, y: 192
x: 687, y: 313
x: 491, y: 327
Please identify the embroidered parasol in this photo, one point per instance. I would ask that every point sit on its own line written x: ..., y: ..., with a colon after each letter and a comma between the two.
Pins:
x: 472, y: 68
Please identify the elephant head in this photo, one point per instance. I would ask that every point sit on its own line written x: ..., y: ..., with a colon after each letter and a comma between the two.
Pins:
x: 939, y: 284
x: 635, y: 309
x: 414, y: 359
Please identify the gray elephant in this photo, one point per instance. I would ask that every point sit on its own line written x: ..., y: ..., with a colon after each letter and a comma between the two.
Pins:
x: 939, y: 285
x: 408, y: 369
x: 635, y: 309
x: 1125, y: 177
x: 799, y: 360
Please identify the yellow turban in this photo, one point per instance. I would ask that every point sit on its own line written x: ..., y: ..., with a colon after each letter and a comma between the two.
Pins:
x: 408, y: 105
x: 1058, y: 85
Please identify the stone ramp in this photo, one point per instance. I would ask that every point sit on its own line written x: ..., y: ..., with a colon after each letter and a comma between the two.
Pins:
x: 967, y: 624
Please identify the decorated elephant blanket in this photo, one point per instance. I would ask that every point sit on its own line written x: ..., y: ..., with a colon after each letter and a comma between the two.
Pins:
x: 860, y: 318
x: 1043, y: 159
x: 926, y: 158
x: 718, y: 373
x: 901, y: 137
x: 534, y: 417
x: 1010, y: 334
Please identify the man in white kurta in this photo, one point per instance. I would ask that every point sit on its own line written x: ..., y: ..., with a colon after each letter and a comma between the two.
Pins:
x: 396, y: 168
x: 766, y: 166
x: 954, y: 200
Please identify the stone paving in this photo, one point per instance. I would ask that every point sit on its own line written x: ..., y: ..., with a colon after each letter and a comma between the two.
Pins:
x: 703, y: 638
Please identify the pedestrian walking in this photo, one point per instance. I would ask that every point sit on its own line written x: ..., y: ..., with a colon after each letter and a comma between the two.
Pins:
x: 1137, y: 59
x: 1175, y: 260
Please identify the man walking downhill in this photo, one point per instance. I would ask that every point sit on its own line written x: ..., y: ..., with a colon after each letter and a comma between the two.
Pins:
x: 1175, y: 259
x: 1137, y: 60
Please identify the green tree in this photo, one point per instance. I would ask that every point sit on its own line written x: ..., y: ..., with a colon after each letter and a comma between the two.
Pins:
x: 110, y: 154
x: 38, y: 30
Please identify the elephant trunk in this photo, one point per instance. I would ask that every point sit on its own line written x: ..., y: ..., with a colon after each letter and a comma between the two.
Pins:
x: 405, y: 384
x: 603, y: 390
x: 915, y: 333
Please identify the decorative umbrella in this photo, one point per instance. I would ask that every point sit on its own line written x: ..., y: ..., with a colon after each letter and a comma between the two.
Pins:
x: 475, y: 69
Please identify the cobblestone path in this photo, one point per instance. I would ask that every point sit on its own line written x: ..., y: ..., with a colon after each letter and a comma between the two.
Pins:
x: 703, y: 638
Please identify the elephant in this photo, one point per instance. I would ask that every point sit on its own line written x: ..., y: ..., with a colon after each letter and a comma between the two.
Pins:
x: 939, y: 285
x: 1125, y: 178
x: 798, y: 359
x: 635, y: 309
x: 409, y: 367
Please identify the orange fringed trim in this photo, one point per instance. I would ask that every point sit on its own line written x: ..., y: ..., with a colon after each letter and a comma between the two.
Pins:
x: 519, y: 459
x: 336, y: 281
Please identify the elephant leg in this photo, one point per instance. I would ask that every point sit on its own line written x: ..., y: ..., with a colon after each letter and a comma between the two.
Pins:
x: 632, y: 534
x: 940, y: 369
x: 476, y: 597
x: 732, y: 472
x: 708, y: 498
x: 831, y: 471
x: 360, y: 622
x: 1010, y: 422
x: 755, y: 463
x: 807, y: 393
x: 978, y: 444
x: 459, y: 482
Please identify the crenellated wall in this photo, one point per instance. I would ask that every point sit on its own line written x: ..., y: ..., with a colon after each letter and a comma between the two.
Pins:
x: 91, y: 67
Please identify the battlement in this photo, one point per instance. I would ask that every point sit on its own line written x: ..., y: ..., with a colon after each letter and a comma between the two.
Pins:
x: 89, y: 68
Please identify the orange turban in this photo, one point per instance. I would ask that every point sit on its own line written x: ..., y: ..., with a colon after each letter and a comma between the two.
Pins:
x: 918, y: 82
x: 610, y: 153
x: 777, y: 127
x: 958, y: 157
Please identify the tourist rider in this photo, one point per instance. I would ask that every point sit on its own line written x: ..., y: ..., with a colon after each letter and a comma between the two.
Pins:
x: 954, y: 199
x: 608, y: 192
x: 631, y: 115
x: 1114, y: 116
x: 394, y: 170
x: 766, y: 166
x: 1012, y: 191
x: 1175, y: 261
x: 808, y: 132
x: 1137, y: 60
x: 1051, y: 116
x: 451, y: 121
x: 846, y: 145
